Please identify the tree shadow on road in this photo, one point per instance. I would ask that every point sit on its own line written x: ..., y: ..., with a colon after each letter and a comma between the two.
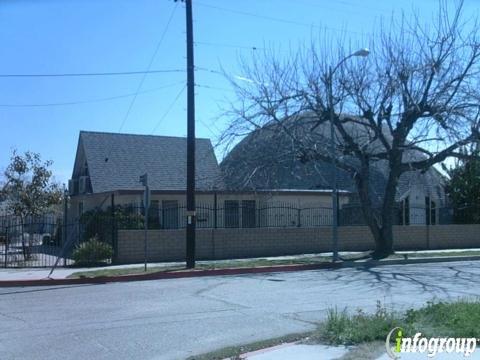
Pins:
x: 434, y: 280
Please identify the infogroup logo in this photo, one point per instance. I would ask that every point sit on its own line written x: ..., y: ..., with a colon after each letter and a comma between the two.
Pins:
x: 431, y: 346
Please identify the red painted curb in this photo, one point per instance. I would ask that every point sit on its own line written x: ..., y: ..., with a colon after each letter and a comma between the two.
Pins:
x: 167, y: 275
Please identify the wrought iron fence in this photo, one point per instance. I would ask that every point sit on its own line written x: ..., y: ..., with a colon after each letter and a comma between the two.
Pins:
x: 31, y: 243
x: 415, y: 215
x: 230, y: 216
x: 41, y: 241
x: 236, y: 214
x: 46, y: 241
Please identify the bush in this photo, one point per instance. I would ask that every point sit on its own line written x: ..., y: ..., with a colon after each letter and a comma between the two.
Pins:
x: 458, y: 319
x: 92, y: 252
x: 99, y: 223
x: 343, y: 328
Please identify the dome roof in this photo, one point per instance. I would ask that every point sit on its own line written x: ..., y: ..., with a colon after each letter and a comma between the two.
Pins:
x: 268, y: 158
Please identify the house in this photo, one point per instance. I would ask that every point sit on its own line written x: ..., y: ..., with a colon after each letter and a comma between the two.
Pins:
x: 108, y: 166
x: 266, y: 158
x: 291, y: 214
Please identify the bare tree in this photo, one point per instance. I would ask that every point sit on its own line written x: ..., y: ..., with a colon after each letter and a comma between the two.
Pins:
x: 410, y: 105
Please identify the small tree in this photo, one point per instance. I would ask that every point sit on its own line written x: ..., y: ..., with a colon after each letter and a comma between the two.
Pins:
x: 29, y: 189
x: 464, y: 190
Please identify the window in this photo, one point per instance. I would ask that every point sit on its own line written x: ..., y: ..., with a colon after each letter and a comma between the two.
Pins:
x: 248, y: 213
x: 430, y: 211
x: 170, y: 214
x: 231, y: 213
x: 80, y: 208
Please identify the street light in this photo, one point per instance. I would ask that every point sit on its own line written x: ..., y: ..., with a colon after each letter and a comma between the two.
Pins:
x: 359, y: 53
x: 146, y: 204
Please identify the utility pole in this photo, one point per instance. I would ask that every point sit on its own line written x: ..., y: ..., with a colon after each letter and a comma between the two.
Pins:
x: 191, y: 215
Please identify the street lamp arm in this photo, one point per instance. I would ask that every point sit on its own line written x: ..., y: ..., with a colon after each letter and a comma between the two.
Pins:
x: 359, y: 53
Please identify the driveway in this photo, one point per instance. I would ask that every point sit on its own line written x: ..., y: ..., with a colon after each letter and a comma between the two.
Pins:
x: 172, y: 319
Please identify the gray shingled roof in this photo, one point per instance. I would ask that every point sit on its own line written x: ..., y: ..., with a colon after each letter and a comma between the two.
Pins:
x: 266, y: 158
x: 115, y: 162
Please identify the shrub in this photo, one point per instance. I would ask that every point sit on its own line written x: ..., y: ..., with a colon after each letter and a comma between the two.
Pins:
x: 92, y: 252
x: 458, y: 319
x: 99, y: 223
x: 343, y: 328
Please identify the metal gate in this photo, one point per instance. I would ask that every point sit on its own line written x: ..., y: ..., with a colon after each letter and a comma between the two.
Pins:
x: 42, y: 241
x: 33, y: 244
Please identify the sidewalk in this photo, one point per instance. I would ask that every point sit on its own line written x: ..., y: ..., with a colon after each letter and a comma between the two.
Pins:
x: 315, y: 352
x: 297, y: 352
x: 63, y: 273
x: 18, y: 274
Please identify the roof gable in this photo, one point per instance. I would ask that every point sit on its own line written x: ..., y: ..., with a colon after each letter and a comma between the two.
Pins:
x: 115, y: 161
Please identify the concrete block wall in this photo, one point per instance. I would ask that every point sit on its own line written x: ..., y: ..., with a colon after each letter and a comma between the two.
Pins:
x: 215, y: 244
x: 450, y: 236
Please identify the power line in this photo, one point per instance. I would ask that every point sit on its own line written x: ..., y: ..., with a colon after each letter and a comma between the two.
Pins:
x: 92, y: 74
x: 240, y: 12
x: 148, y: 68
x: 344, y: 4
x: 207, y: 127
x: 168, y: 110
x: 214, y: 87
x: 272, y: 18
x: 79, y: 102
x: 208, y: 43
x: 132, y: 102
x: 209, y: 70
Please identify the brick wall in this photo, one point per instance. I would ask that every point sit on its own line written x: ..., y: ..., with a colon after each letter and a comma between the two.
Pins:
x: 169, y: 245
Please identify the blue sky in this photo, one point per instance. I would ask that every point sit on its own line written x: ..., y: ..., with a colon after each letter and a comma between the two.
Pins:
x: 81, y: 36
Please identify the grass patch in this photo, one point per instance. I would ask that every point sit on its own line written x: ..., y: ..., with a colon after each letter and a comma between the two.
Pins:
x: 341, y: 328
x: 447, y: 253
x: 225, y: 264
x: 120, y: 272
x: 201, y: 266
x: 459, y: 319
x: 367, y: 332
x: 402, y: 255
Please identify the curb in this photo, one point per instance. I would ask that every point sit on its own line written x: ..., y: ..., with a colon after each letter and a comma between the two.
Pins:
x: 264, y: 351
x: 167, y: 275
x: 161, y: 275
x: 425, y: 260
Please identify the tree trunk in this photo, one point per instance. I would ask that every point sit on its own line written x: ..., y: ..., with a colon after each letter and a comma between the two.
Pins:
x: 384, y: 240
x: 381, y: 227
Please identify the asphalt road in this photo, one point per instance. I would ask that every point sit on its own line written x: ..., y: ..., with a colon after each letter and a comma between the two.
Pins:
x: 173, y: 319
